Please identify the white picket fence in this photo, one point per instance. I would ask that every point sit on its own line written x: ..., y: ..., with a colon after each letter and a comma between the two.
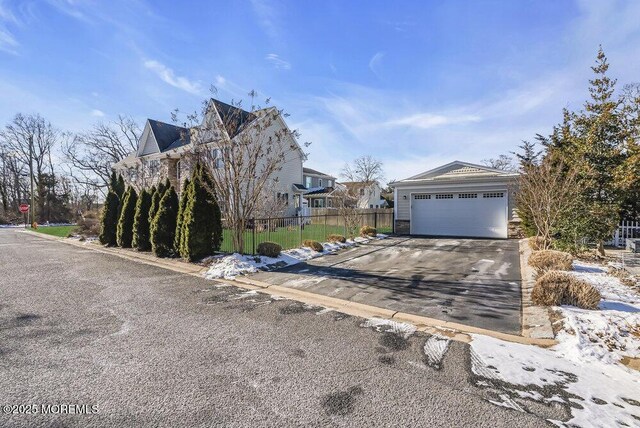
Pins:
x: 627, y: 229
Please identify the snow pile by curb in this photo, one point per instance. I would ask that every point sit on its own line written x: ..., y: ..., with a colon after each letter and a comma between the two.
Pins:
x: 231, y: 266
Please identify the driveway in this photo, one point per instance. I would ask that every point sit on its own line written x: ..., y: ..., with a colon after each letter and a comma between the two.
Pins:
x: 469, y: 281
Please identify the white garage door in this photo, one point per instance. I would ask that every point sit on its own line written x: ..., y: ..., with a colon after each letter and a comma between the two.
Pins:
x: 474, y: 214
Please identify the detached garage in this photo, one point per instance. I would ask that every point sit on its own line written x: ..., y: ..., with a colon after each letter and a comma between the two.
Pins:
x: 458, y: 199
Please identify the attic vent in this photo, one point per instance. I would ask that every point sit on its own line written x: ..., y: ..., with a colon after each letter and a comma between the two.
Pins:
x: 464, y: 170
x: 421, y: 196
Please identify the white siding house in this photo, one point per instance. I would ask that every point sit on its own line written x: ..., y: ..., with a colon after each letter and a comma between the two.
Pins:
x: 456, y: 199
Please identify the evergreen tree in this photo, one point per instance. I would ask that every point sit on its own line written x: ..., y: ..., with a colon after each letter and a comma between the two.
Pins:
x: 124, y: 233
x: 109, y: 220
x: 163, y: 227
x: 183, y: 202
x: 141, y: 232
x: 599, y: 151
x: 119, y: 187
x: 201, y: 233
x: 155, y: 201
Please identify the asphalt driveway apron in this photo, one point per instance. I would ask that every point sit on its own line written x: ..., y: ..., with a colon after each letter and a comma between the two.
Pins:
x: 469, y: 281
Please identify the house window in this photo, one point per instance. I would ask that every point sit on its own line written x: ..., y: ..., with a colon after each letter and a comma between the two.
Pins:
x: 319, y: 182
x: 307, y: 182
x: 421, y: 196
x: 178, y: 170
x: 329, y: 183
x: 362, y: 192
x: 493, y: 195
x: 467, y: 195
x: 216, y: 155
x: 284, y: 197
x: 444, y: 196
x: 371, y: 206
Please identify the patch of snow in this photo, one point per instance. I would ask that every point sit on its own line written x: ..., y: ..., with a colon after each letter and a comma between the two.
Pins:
x: 524, y: 365
x: 435, y: 348
x: 233, y: 265
x: 579, y: 266
x: 403, y: 329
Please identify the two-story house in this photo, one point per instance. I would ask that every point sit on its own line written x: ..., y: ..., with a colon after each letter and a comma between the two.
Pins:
x: 164, y: 148
x: 367, y: 195
x: 319, y: 188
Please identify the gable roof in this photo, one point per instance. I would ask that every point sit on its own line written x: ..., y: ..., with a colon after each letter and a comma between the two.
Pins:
x: 168, y: 135
x: 458, y: 170
x: 310, y: 171
x: 233, y: 118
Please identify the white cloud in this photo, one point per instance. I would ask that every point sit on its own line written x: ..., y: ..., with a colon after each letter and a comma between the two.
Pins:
x: 168, y: 76
x: 375, y: 62
x: 429, y: 120
x: 278, y: 62
x: 97, y: 113
x: 8, y: 42
x: 267, y: 17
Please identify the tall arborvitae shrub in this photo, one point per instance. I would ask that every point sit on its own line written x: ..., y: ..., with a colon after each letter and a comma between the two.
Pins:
x: 155, y: 201
x: 141, y: 232
x: 109, y: 220
x: 177, y: 242
x: 163, y: 227
x: 124, y: 234
x: 201, y: 233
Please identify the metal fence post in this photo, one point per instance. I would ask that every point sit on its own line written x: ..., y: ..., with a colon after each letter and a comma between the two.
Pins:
x: 325, y: 226
x: 253, y: 236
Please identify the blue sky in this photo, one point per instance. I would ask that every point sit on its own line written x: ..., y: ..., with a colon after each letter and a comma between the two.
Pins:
x: 414, y: 83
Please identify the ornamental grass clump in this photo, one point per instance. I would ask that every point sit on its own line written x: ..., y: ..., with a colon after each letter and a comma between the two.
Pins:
x: 547, y: 260
x: 556, y: 288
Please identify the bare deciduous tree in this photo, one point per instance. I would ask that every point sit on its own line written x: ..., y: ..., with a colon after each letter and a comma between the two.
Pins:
x: 244, y: 151
x: 503, y: 162
x: 91, y: 154
x: 546, y: 193
x: 365, y: 169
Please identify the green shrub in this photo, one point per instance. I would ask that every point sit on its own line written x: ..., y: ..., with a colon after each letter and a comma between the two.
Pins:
x: 368, y: 231
x: 314, y: 245
x: 336, y: 238
x: 201, y: 231
x: 546, y: 260
x: 556, y: 288
x: 163, y: 226
x: 155, y: 201
x: 124, y: 233
x: 141, y: 232
x: 269, y: 249
x: 109, y: 220
x: 184, y: 197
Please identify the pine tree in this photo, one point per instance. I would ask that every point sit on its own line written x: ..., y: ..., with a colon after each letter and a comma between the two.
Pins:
x: 119, y: 187
x: 177, y: 244
x: 599, y: 152
x: 141, y: 231
x: 163, y: 227
x: 109, y: 220
x: 201, y: 233
x: 124, y: 234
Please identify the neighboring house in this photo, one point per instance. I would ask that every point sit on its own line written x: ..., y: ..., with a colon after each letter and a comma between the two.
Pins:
x: 319, y: 187
x: 368, y: 194
x: 162, y: 146
x: 456, y: 199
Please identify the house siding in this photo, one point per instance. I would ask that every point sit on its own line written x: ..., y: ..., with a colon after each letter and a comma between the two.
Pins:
x: 404, y: 205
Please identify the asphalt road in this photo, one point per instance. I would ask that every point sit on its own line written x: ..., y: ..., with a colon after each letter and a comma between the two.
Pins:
x: 470, y: 281
x: 150, y: 347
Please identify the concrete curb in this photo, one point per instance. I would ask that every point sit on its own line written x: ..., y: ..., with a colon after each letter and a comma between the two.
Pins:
x: 535, y: 319
x: 454, y: 331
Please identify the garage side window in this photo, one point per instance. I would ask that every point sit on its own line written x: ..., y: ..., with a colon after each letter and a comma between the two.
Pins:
x: 467, y: 195
x: 493, y: 195
x: 444, y: 196
x: 421, y: 196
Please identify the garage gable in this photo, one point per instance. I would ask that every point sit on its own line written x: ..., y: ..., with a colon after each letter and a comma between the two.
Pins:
x: 458, y: 170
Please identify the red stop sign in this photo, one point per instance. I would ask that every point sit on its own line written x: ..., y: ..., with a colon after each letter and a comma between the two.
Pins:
x: 24, y: 208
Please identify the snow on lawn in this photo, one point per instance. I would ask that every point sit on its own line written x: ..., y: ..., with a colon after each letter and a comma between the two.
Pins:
x: 584, y: 369
x: 233, y: 265
x: 600, y: 394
